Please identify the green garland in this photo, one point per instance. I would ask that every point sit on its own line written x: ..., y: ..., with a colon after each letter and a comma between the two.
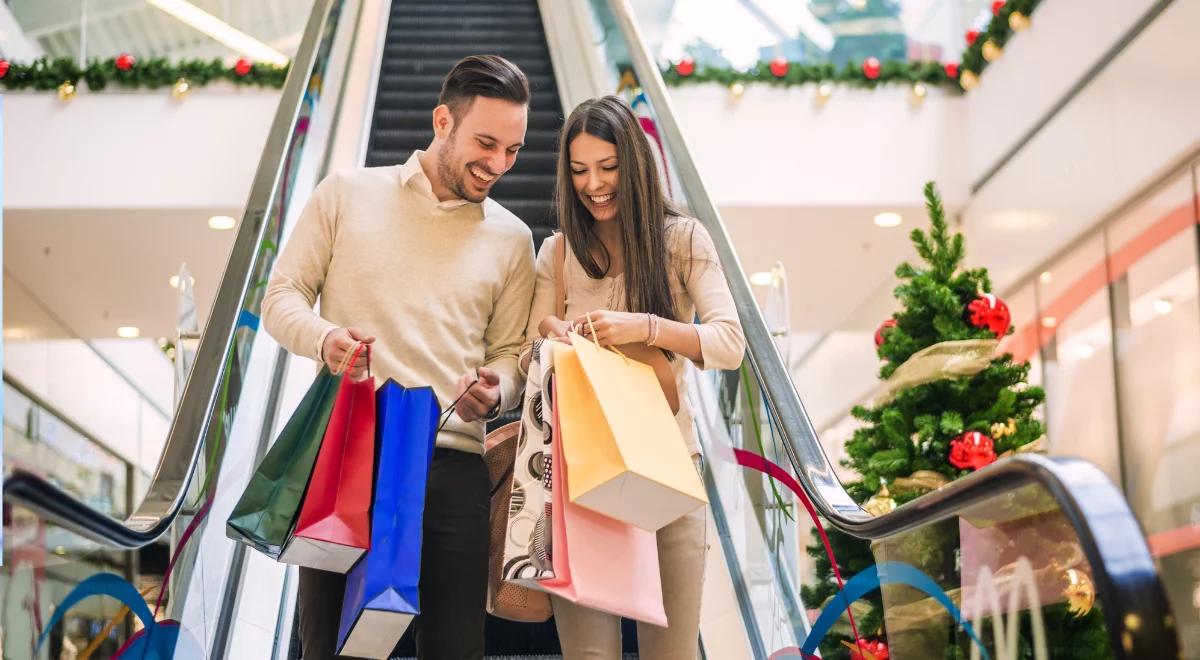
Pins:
x: 799, y: 73
x: 999, y: 31
x: 48, y: 74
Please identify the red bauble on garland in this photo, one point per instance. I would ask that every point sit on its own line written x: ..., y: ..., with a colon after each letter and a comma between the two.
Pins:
x: 125, y: 61
x: 871, y: 68
x: 877, y: 648
x: 972, y: 450
x: 4, y: 67
x: 881, y: 331
x: 972, y: 37
x: 988, y: 311
x: 243, y: 67
x: 952, y: 70
x: 779, y: 67
x: 997, y: 6
x: 685, y: 67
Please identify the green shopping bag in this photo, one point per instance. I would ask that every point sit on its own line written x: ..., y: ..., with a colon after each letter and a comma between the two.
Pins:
x: 265, y: 514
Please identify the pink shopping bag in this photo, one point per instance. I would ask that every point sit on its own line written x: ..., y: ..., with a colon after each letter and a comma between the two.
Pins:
x: 600, y: 562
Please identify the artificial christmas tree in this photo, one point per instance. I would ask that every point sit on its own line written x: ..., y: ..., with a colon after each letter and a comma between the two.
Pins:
x: 950, y: 405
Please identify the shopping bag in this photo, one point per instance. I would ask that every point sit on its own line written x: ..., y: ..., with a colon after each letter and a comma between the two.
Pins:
x: 266, y: 512
x: 600, y: 562
x: 525, y: 555
x: 381, y: 590
x: 506, y: 600
x: 622, y: 446
x: 333, y: 528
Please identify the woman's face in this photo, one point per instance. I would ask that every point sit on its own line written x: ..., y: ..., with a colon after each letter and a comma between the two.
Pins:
x: 594, y: 175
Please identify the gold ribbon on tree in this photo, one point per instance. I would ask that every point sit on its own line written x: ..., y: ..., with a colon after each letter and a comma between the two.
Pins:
x: 947, y: 359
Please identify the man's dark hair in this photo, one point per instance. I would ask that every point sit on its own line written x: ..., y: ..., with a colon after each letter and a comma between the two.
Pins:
x: 490, y: 76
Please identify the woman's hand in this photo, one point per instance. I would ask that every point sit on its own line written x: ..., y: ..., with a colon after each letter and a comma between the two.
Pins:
x: 554, y: 327
x: 614, y: 328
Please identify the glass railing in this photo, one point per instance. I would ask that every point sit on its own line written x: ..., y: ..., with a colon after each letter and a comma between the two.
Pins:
x: 150, y: 552
x: 196, y: 29
x: 41, y: 440
x: 1031, y: 557
x: 740, y: 34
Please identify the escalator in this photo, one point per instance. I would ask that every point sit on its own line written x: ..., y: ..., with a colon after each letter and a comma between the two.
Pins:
x: 171, y: 549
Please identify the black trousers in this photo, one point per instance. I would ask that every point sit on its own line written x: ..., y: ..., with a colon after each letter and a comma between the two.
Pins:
x: 453, y: 586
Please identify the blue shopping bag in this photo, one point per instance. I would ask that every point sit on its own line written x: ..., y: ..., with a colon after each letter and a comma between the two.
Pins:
x: 381, y: 589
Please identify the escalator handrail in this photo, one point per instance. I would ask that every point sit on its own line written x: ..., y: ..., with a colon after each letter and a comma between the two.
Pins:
x: 1133, y: 600
x: 192, y: 423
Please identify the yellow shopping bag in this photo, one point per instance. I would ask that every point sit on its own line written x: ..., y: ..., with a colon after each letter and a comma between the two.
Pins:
x: 625, y: 456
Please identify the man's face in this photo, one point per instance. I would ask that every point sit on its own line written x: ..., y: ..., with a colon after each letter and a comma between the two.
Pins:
x: 481, y: 146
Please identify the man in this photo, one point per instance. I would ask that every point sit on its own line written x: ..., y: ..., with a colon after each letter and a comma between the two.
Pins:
x: 415, y: 261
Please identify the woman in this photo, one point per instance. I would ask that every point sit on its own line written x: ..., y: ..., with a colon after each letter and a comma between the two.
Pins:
x: 640, y: 272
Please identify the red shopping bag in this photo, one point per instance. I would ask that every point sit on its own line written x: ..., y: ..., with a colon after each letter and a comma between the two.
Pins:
x: 333, y: 528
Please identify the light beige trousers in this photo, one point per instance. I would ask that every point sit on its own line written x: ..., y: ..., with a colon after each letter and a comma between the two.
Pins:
x: 586, y: 634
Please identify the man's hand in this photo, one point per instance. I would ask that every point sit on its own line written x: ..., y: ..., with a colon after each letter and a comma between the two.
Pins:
x: 339, y: 343
x: 482, y: 396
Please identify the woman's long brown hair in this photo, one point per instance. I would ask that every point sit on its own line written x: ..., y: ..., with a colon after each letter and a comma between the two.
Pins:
x: 643, y: 211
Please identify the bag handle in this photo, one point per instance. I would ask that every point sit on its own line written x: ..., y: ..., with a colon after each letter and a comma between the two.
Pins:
x: 560, y: 286
x: 351, y: 357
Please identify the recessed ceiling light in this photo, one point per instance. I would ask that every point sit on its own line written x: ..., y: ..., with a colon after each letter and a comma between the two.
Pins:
x: 1049, y: 322
x: 761, y: 279
x: 1047, y: 277
x: 175, y: 281
x: 888, y: 219
x: 1163, y: 306
x: 128, y: 332
x: 222, y: 222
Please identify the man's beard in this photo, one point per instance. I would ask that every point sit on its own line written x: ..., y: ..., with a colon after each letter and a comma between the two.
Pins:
x: 452, y: 175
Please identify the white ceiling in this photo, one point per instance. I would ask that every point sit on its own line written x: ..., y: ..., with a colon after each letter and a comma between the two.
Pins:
x: 98, y: 270
x: 135, y: 26
x: 835, y: 257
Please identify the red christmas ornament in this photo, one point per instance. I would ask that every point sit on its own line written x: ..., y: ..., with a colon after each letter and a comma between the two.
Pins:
x: 972, y: 450
x: 871, y: 68
x: 972, y: 37
x: 779, y: 67
x: 125, y: 61
x: 243, y: 67
x: 988, y: 311
x: 952, y: 70
x: 685, y: 67
x: 877, y: 648
x: 881, y: 331
x: 4, y: 67
x: 997, y: 6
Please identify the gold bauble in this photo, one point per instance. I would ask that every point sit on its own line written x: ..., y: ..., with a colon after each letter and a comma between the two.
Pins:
x: 824, y: 90
x: 919, y: 90
x: 991, y: 51
x: 736, y: 90
x: 1079, y: 592
x: 880, y: 503
x: 182, y: 88
x: 66, y: 91
x: 968, y: 80
x: 1018, y: 21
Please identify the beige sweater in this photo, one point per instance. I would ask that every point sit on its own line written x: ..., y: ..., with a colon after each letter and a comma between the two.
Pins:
x: 445, y: 287
x: 697, y: 284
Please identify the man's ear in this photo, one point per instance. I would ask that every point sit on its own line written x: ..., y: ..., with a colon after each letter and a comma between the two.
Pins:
x: 443, y: 121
